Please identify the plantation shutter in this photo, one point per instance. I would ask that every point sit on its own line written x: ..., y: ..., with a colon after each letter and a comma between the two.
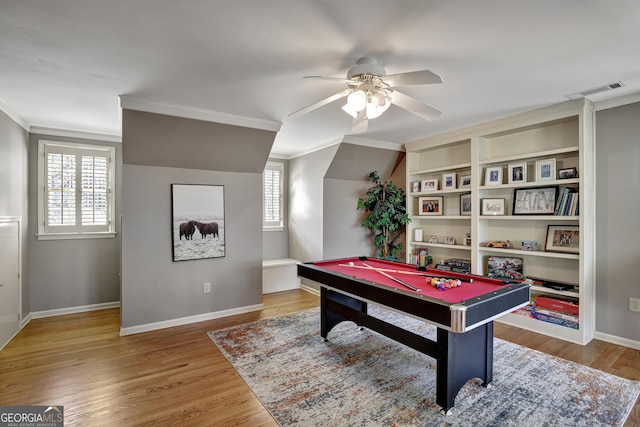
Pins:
x: 77, y: 194
x: 272, y: 210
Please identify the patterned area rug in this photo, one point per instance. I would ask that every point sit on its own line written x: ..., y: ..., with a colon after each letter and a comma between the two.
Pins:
x: 361, y: 378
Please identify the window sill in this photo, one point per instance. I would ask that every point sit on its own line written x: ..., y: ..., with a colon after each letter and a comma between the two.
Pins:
x: 76, y: 236
x: 272, y: 228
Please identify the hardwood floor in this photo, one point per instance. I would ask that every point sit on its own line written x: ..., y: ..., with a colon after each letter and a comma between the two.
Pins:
x: 177, y: 376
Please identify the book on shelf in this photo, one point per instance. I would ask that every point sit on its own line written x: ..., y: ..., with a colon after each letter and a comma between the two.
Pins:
x: 559, y: 314
x: 568, y: 202
x: 558, y: 304
x: 458, y: 265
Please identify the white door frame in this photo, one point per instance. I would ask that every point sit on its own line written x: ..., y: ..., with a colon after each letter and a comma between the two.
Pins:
x: 4, y: 219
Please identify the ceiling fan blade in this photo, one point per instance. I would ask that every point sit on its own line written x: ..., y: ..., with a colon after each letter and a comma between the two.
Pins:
x: 360, y: 123
x: 414, y: 106
x: 342, y: 79
x: 423, y: 77
x: 320, y: 103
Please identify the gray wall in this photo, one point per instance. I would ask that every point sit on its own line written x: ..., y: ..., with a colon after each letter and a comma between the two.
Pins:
x: 71, y: 273
x: 160, y: 150
x: 14, y: 202
x: 618, y: 231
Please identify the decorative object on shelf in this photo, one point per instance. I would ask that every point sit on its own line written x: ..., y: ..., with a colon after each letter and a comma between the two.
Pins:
x: 197, y: 208
x: 430, y: 184
x: 567, y: 173
x: 517, y: 172
x: 504, y: 244
x: 417, y: 235
x: 535, y: 200
x: 493, y: 207
x: 415, y: 186
x: 563, y: 238
x: 386, y: 216
x: 529, y: 245
x: 449, y: 181
x: 433, y: 238
x: 450, y: 240
x: 465, y: 181
x: 509, y: 268
x: 546, y: 170
x: 493, y: 175
x: 465, y: 204
x: 430, y: 205
x: 467, y: 239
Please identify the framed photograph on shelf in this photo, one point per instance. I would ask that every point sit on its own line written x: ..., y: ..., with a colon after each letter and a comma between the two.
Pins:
x: 433, y: 238
x: 535, y: 200
x: 567, y: 173
x: 465, y: 181
x: 493, y: 175
x: 465, y: 204
x: 493, y: 206
x: 563, y: 238
x: 415, y: 186
x: 450, y: 240
x: 517, y: 172
x: 429, y: 184
x: 448, y: 181
x: 546, y: 170
x: 430, y: 205
x: 197, y: 218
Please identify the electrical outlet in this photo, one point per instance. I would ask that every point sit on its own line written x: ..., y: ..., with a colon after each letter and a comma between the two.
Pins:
x: 207, y: 287
x: 634, y: 304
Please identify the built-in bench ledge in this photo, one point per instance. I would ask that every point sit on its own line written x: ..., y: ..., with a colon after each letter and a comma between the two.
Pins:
x: 280, y: 275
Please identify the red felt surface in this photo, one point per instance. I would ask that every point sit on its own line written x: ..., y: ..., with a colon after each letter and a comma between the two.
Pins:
x: 480, y: 286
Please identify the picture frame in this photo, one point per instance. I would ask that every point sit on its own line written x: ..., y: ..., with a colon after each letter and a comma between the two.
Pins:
x: 197, y: 221
x: 415, y: 186
x: 449, y: 181
x: 493, y: 175
x: 450, y: 240
x: 433, y: 238
x: 535, y: 200
x: 517, y: 172
x: 563, y: 238
x: 567, y: 173
x: 429, y: 184
x: 465, y: 204
x: 430, y: 206
x: 546, y: 170
x: 493, y: 207
x: 465, y: 181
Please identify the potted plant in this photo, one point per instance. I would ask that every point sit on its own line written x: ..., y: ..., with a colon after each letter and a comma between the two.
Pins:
x: 386, y: 216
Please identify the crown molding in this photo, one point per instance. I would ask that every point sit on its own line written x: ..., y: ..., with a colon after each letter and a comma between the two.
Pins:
x: 138, y: 104
x: 13, y: 115
x: 617, y: 102
x: 385, y: 145
x: 68, y: 133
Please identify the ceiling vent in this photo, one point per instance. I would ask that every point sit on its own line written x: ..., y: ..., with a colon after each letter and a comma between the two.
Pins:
x: 593, y: 91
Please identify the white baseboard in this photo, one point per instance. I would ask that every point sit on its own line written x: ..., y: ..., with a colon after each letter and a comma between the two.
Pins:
x: 309, y: 289
x: 187, y: 320
x: 71, y: 310
x: 617, y: 340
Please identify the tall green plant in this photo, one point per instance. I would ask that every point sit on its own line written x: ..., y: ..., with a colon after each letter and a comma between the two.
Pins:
x: 386, y: 216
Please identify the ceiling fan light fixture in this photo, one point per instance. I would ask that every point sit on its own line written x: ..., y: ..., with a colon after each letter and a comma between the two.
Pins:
x: 357, y: 100
x: 347, y: 108
x: 378, y: 105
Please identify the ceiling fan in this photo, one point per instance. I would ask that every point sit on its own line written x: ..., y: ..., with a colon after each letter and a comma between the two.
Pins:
x: 370, y: 92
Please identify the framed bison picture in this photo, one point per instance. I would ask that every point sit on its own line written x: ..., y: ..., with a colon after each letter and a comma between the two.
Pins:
x: 197, y: 221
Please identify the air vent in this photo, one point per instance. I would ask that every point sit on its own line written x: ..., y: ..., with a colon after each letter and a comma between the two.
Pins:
x: 593, y: 91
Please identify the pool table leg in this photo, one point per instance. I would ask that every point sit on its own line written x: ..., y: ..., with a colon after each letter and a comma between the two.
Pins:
x: 329, y: 319
x: 463, y: 356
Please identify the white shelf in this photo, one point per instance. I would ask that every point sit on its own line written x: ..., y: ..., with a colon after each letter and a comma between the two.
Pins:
x: 451, y: 168
x: 544, y: 328
x: 529, y: 217
x: 520, y: 252
x: 440, y: 217
x: 531, y: 156
x: 440, y: 192
x: 575, y: 181
x: 440, y: 245
x: 545, y: 290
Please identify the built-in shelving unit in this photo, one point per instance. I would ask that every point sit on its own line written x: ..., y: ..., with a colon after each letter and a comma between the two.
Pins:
x: 562, y: 135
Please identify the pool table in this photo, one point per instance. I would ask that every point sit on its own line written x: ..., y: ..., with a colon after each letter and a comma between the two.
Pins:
x: 463, y: 315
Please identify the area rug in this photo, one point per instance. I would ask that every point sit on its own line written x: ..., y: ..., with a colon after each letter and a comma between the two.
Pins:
x: 361, y: 378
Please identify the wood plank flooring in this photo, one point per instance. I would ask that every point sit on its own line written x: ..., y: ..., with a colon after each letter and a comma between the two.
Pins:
x: 176, y: 376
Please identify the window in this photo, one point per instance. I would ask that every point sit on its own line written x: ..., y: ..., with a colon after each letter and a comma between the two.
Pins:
x: 273, y: 198
x: 75, y: 189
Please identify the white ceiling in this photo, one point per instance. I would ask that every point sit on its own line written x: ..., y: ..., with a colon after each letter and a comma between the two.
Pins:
x: 64, y: 63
